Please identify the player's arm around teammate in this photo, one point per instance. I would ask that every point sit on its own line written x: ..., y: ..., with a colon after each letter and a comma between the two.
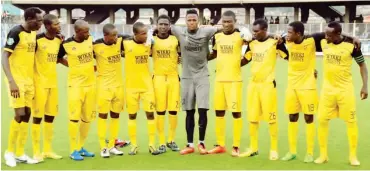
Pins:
x: 301, y: 93
x: 337, y: 98
x: 227, y: 45
x: 110, y: 92
x: 139, y: 85
x: 166, y: 82
x: 18, y: 62
x: 261, y: 101
x: 46, y: 91
x: 81, y: 88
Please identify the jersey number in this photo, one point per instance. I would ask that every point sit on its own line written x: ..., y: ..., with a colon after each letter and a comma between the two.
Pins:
x: 234, y: 105
x: 272, y: 116
x: 352, y: 116
x: 311, y: 108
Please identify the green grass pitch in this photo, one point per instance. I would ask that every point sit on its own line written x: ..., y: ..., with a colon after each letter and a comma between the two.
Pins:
x: 338, y: 143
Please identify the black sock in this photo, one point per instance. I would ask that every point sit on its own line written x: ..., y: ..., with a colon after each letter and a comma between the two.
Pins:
x: 190, y: 123
x: 202, y: 122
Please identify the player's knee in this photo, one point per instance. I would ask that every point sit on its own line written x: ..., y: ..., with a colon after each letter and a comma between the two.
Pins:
x: 19, y: 113
x: 37, y: 120
x: 85, y: 121
x: 103, y: 115
x: 237, y: 115
x: 161, y: 113
x: 132, y: 116
x: 18, y: 118
x: 308, y: 118
x: 172, y: 112
x: 114, y: 115
x: 220, y: 113
x: 49, y: 119
x: 26, y: 117
x: 293, y: 117
x: 150, y: 115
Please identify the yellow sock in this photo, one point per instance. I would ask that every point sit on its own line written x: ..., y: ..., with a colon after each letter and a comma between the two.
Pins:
x: 36, y: 138
x: 220, y: 130
x: 273, y: 136
x: 102, y: 130
x: 22, y: 138
x: 132, y: 131
x: 292, y: 136
x: 114, y: 128
x: 73, y: 131
x: 253, y: 132
x: 323, y: 132
x: 173, y: 126
x: 13, y: 135
x: 84, y: 131
x: 310, y: 137
x: 48, y: 136
x: 238, y: 123
x: 160, y: 127
x: 352, y: 133
x: 151, y: 132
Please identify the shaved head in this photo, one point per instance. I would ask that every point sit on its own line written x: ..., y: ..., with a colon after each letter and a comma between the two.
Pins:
x: 79, y: 24
x: 81, y: 30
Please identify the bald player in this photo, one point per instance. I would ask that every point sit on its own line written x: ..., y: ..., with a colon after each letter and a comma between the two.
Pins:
x: 81, y: 87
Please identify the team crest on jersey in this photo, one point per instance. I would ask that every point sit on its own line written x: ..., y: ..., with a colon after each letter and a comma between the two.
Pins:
x: 101, y: 52
x: 130, y: 50
x: 305, y: 47
x: 44, y: 47
x: 73, y: 48
x: 10, y: 41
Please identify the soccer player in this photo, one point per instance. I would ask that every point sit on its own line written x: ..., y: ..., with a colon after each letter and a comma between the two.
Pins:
x: 227, y: 46
x: 261, y: 100
x: 110, y: 91
x: 337, y: 97
x: 139, y: 85
x: 195, y: 76
x: 46, y: 91
x: 166, y: 81
x: 81, y: 87
x: 18, y: 62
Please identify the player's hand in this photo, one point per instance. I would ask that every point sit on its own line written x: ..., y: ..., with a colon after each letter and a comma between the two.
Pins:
x: 315, y: 73
x: 14, y: 90
x: 245, y: 34
x: 179, y: 60
x: 357, y: 43
x: 364, y: 93
x: 278, y: 38
x: 95, y: 68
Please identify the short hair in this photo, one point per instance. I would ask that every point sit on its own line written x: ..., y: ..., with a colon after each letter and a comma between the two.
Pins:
x: 31, y: 12
x: 261, y: 22
x: 163, y: 16
x: 229, y: 14
x: 136, y: 26
x: 336, y: 26
x: 107, y: 28
x: 48, y: 19
x: 191, y: 11
x: 297, y: 26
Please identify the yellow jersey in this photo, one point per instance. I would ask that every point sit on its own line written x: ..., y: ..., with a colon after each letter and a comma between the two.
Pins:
x: 22, y: 45
x: 80, y: 61
x: 263, y: 56
x: 46, y: 61
x: 338, y: 63
x: 109, y: 63
x: 137, y: 72
x: 301, y: 64
x: 165, y: 56
x: 228, y: 48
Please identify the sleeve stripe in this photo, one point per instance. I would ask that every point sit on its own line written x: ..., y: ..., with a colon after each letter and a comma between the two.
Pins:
x: 9, y: 50
x: 360, y: 59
